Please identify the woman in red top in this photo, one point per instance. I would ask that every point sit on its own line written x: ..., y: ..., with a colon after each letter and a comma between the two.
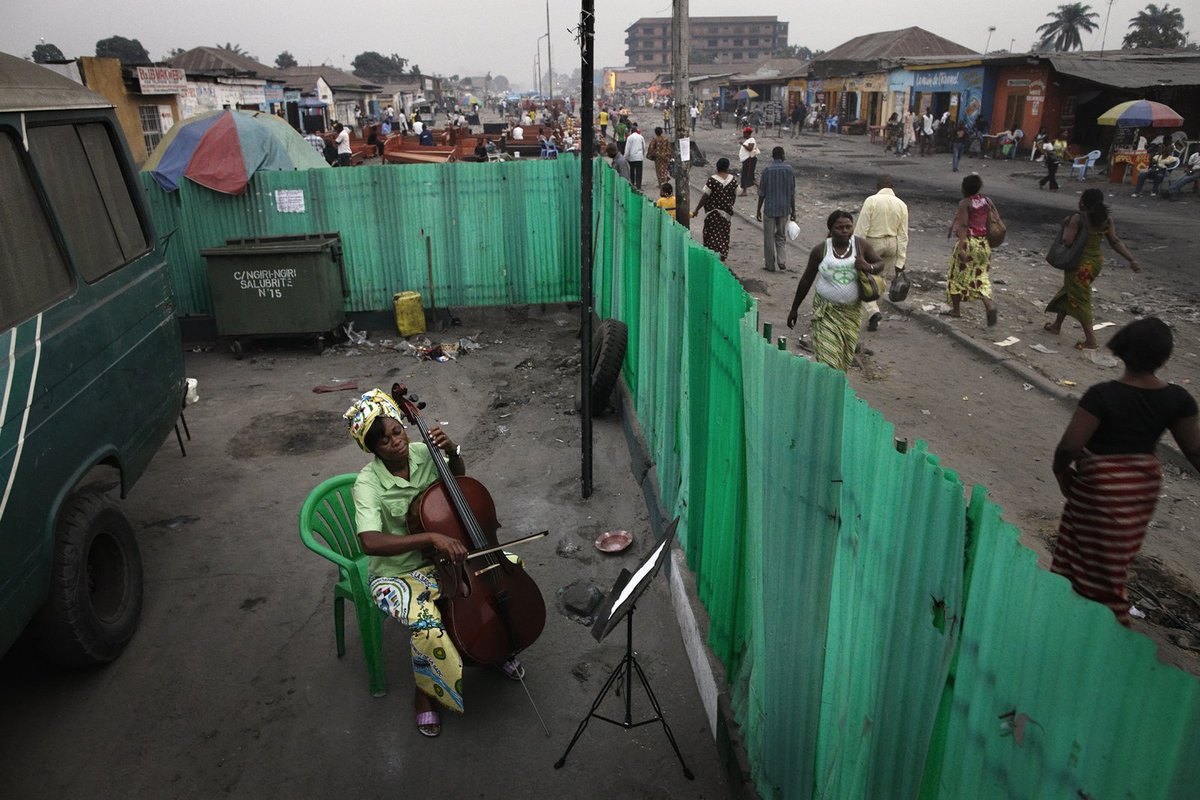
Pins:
x: 971, y: 258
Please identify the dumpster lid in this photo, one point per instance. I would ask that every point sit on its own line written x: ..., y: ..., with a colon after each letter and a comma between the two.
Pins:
x: 269, y: 248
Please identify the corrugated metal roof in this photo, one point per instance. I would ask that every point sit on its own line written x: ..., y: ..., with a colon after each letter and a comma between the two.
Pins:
x: 771, y: 69
x: 903, y: 43
x: 25, y: 86
x: 1127, y: 74
x: 334, y: 77
x: 218, y: 59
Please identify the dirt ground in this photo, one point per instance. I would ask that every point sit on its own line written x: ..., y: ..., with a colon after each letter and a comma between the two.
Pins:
x: 994, y: 413
x: 232, y: 687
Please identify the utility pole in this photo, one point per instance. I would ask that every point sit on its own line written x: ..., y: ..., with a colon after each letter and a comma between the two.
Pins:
x: 549, y: 60
x: 679, y: 79
x: 587, y: 157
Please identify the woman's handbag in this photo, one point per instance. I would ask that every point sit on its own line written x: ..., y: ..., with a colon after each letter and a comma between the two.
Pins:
x: 996, y: 229
x: 870, y: 287
x: 1066, y: 256
x: 898, y: 291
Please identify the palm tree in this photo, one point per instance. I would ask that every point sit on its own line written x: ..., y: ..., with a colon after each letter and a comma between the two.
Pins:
x: 1156, y: 27
x: 1062, y: 31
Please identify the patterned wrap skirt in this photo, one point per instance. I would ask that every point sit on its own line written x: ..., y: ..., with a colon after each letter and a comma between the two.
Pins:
x: 970, y: 281
x: 1110, y: 501
x: 835, y: 331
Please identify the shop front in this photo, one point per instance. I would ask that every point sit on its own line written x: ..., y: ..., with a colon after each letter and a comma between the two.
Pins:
x: 863, y: 99
x: 958, y: 91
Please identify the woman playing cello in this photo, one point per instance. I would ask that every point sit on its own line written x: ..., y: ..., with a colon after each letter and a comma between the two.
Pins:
x: 404, y: 581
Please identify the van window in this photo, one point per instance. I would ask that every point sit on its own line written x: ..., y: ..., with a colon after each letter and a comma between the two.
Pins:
x: 82, y: 174
x: 33, y: 274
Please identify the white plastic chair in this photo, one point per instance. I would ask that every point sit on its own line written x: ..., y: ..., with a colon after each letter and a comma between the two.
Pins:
x: 1084, y: 163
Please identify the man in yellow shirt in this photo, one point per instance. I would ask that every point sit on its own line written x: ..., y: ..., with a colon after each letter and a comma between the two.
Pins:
x: 604, y: 122
x: 883, y: 222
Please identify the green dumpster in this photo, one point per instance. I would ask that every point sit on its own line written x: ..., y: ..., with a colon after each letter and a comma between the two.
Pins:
x: 277, y: 286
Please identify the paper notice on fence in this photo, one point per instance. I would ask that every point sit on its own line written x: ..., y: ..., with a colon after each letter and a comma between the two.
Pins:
x: 685, y: 149
x: 289, y: 201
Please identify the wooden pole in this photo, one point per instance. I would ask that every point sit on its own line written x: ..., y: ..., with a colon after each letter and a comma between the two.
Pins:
x: 679, y: 80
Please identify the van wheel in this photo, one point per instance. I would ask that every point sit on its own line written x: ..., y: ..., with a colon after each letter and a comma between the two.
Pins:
x: 96, y: 584
x: 236, y: 348
x: 608, y: 353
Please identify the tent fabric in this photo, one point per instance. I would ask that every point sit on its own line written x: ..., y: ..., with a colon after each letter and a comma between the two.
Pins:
x: 223, y: 149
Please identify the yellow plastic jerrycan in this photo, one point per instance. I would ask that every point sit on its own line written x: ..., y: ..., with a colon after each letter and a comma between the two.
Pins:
x: 410, y: 315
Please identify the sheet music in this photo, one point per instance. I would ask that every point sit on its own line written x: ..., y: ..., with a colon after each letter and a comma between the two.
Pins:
x: 636, y: 579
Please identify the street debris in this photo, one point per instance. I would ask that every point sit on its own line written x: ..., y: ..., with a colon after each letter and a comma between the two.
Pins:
x: 1041, y: 348
x: 1011, y: 340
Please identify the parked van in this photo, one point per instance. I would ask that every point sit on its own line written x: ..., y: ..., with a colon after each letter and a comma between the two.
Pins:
x: 91, y: 366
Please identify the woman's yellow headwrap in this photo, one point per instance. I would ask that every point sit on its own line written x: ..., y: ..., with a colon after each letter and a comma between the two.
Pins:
x: 372, y: 405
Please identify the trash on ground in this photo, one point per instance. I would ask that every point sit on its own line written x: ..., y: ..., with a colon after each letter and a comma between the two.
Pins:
x: 1068, y: 383
x: 336, y: 386
x: 1027, y: 386
x: 1007, y: 342
x: 1102, y: 325
x: 1102, y: 359
x: 1041, y: 348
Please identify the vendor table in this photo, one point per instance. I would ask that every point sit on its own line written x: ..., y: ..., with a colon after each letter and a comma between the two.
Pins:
x: 1130, y: 162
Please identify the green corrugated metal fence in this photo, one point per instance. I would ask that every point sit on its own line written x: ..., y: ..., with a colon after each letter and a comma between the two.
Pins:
x: 501, y: 234
x: 882, y: 639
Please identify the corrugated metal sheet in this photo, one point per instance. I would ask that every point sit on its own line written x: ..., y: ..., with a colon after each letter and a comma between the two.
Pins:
x: 881, y: 640
x: 1126, y: 74
x: 501, y: 234
x: 888, y: 45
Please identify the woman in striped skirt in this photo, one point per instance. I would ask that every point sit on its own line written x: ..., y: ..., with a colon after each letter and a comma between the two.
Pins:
x: 1106, y: 466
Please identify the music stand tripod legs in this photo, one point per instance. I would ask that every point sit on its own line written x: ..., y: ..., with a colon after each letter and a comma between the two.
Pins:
x: 627, y: 666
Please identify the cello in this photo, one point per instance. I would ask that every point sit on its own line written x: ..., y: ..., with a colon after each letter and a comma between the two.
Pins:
x: 493, y: 608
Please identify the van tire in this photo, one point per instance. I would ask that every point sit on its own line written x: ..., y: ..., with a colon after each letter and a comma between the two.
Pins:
x: 96, y: 585
x: 608, y: 354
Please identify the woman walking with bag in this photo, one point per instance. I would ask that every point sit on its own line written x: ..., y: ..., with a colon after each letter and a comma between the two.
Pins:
x: 1074, y: 299
x: 833, y: 266
x: 1106, y: 466
x: 971, y: 258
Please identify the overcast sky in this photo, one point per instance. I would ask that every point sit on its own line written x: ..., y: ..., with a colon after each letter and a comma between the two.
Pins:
x: 473, y: 37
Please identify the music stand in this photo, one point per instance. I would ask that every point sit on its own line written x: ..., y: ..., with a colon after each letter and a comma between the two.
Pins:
x: 620, y: 604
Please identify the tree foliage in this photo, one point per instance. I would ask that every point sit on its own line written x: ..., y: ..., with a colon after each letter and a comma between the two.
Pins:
x: 378, y: 67
x: 285, y: 60
x: 236, y: 49
x: 129, y: 51
x: 1156, y: 27
x: 500, y: 84
x: 43, y: 53
x: 1062, y: 31
x: 797, y: 51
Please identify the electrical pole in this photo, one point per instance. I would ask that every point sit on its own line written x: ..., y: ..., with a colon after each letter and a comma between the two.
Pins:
x: 587, y: 160
x: 549, y: 60
x: 679, y: 79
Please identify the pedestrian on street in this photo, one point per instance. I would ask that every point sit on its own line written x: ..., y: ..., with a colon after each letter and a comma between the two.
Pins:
x: 717, y: 199
x: 1160, y: 164
x: 403, y: 579
x: 958, y: 143
x: 1050, y: 160
x: 971, y: 257
x: 1190, y: 175
x: 621, y: 131
x: 1074, y: 299
x: 799, y: 115
x: 604, y: 122
x: 1107, y: 469
x: 342, y: 142
x: 748, y: 155
x: 926, y: 132
x: 661, y: 151
x: 836, y: 310
x: 694, y: 114
x: 883, y: 222
x: 909, y: 127
x: 777, y: 195
x: 616, y: 160
x: 635, y: 154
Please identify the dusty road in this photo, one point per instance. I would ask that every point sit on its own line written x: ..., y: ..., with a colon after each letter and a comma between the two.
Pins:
x: 232, y: 688
x: 947, y: 382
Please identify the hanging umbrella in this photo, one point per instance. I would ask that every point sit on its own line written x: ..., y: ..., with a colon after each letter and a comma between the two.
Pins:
x: 470, y: 100
x: 223, y: 149
x: 1141, y: 114
x: 746, y: 94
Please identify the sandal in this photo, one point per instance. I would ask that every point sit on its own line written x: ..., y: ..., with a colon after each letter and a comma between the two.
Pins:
x: 429, y: 723
x: 1050, y: 328
x: 512, y: 669
x: 1086, y: 346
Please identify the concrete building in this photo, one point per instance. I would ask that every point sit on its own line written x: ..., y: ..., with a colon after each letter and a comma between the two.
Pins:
x: 714, y: 40
x: 146, y: 99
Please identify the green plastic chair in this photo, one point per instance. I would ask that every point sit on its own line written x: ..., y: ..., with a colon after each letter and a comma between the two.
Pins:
x: 327, y: 528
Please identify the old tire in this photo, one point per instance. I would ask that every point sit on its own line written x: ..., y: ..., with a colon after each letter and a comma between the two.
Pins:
x: 95, y: 587
x: 608, y: 354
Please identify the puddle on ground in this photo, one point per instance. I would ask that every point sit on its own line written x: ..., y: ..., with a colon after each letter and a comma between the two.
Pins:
x: 289, y: 434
